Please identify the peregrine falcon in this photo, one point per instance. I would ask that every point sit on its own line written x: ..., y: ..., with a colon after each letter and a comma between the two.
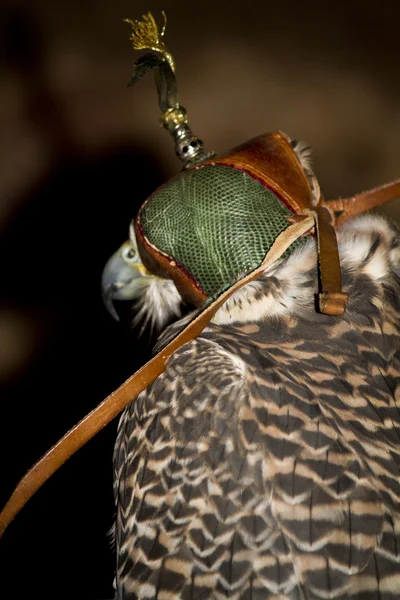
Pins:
x: 264, y: 462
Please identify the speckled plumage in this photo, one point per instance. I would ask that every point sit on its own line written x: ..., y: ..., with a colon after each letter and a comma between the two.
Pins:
x: 264, y: 463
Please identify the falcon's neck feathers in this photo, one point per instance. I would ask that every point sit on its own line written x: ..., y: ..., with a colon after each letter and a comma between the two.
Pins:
x: 284, y: 297
x: 369, y: 248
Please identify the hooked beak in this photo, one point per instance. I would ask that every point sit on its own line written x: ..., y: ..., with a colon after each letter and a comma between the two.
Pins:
x: 120, y: 280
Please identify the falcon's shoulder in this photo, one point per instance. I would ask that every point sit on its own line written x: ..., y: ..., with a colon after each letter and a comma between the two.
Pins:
x: 245, y: 471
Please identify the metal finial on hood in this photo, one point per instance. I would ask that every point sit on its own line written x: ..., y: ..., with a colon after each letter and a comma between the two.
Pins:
x: 146, y: 36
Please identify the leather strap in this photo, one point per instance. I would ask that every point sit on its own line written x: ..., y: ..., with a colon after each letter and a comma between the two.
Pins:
x: 331, y: 299
x: 131, y: 388
x: 346, y: 208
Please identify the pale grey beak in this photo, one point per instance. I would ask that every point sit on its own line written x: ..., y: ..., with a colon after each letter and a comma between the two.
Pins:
x: 119, y: 280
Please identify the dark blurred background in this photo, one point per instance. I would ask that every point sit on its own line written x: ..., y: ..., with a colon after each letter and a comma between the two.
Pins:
x: 79, y: 152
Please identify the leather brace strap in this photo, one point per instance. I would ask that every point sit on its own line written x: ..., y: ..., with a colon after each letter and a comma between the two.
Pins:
x: 346, y: 208
x: 131, y: 388
x: 331, y: 299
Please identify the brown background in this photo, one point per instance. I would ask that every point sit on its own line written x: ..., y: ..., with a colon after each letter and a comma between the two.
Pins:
x: 78, y: 154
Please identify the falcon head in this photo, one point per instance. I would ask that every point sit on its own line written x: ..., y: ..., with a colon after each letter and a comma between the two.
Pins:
x: 155, y: 300
x: 201, y: 232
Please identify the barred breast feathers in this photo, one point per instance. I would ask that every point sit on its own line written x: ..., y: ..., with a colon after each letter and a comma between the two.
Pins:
x: 369, y: 248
